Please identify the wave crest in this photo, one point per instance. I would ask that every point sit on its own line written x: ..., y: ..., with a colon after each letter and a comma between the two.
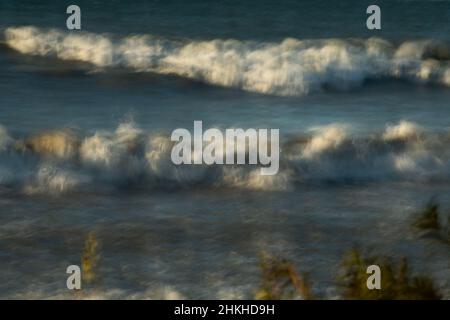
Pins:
x: 62, y: 161
x: 289, y: 68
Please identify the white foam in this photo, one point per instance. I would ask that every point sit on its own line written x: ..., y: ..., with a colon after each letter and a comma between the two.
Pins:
x: 325, y: 138
x: 252, y: 179
x: 51, y: 179
x: 402, y: 131
x: 97, y: 149
x: 107, y: 160
x: 290, y: 67
x: 108, y: 149
x: 158, y: 156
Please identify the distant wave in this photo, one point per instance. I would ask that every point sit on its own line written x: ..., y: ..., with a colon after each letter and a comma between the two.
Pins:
x: 62, y: 161
x: 290, y: 68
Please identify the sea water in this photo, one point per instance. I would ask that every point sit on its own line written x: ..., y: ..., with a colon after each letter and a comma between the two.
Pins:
x: 86, y: 118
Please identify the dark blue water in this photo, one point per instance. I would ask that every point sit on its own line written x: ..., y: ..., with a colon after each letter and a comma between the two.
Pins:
x: 85, y: 119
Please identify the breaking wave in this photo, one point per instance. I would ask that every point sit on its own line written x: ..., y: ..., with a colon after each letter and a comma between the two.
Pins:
x: 289, y: 68
x: 62, y: 161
